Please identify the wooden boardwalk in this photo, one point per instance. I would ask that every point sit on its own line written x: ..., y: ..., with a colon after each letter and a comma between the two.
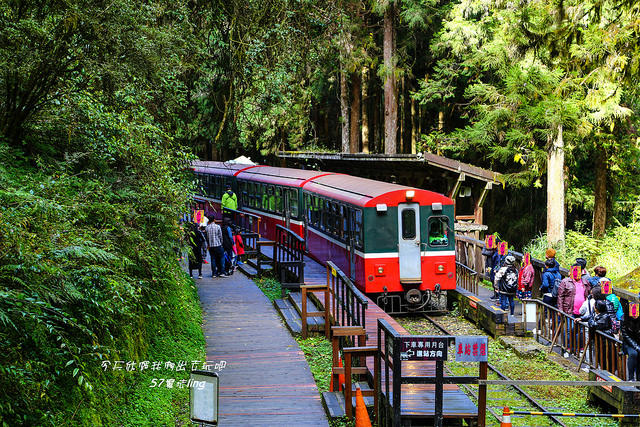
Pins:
x: 418, y: 401
x: 266, y: 380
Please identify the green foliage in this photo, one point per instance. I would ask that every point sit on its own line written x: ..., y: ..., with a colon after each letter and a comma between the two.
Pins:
x: 270, y: 287
x: 90, y: 274
x: 618, y: 251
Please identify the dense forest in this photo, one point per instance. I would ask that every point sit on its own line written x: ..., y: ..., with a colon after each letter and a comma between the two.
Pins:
x: 103, y: 103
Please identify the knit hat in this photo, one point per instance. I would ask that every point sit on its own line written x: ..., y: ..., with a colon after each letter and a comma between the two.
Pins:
x: 582, y: 262
x: 510, y: 260
x: 550, y: 253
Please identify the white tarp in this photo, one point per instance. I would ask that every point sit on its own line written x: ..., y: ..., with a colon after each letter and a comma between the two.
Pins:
x: 242, y: 160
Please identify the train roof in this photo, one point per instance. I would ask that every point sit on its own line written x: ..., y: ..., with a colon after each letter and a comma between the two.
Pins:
x: 218, y: 168
x: 349, y: 189
x: 367, y: 192
x: 279, y: 176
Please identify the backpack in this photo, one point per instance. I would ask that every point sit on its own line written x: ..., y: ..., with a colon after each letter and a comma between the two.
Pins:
x: 520, y: 284
x: 556, y: 286
x: 509, y: 281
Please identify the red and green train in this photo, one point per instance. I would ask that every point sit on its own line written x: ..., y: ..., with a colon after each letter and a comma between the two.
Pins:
x: 396, y: 243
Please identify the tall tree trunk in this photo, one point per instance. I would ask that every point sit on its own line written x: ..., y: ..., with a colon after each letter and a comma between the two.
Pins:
x: 375, y: 129
x: 344, y: 110
x: 600, y: 193
x: 555, y: 191
x: 365, y: 109
x: 406, y: 117
x: 415, y: 124
x: 354, y: 140
x: 390, y: 90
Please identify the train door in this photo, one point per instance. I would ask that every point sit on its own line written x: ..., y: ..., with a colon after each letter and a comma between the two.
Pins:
x: 284, y: 202
x: 351, y: 241
x: 409, y: 242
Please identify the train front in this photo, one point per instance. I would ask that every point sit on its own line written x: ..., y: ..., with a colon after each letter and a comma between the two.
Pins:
x: 410, y: 250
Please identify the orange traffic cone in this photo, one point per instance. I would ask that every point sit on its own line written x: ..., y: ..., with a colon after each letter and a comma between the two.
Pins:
x: 341, y: 379
x: 506, y: 417
x: 362, y: 416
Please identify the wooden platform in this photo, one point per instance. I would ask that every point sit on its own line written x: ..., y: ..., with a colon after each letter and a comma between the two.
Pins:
x: 418, y: 401
x: 486, y: 313
x: 266, y: 381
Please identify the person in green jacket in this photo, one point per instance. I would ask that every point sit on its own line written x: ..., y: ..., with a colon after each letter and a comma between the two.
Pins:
x: 229, y: 199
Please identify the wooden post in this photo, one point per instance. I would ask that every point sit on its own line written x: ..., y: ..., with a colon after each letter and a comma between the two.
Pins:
x: 439, y: 393
x: 555, y: 337
x: 482, y: 396
x: 584, y: 353
x: 303, y: 315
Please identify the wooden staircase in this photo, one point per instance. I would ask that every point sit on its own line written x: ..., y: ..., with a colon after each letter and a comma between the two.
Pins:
x: 290, y: 308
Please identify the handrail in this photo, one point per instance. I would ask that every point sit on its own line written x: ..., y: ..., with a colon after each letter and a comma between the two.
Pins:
x: 595, y: 348
x: 349, y: 304
x: 466, y: 278
x: 288, y: 258
x: 248, y: 222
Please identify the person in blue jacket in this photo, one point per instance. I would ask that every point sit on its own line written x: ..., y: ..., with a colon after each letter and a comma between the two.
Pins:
x: 550, y: 276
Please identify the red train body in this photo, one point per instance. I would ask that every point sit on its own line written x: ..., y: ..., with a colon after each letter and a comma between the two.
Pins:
x: 396, y: 243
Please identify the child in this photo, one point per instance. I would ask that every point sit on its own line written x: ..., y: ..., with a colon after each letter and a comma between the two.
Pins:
x: 601, y: 321
x: 239, y: 245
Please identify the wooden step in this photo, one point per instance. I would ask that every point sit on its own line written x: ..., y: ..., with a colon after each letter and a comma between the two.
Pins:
x: 315, y: 324
x: 248, y: 269
x: 334, y: 401
x: 290, y: 316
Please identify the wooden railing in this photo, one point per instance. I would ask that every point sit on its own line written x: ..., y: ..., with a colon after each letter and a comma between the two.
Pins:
x: 348, y: 305
x: 392, y: 380
x: 250, y: 230
x: 594, y: 348
x: 469, y: 254
x: 289, y: 259
x: 466, y: 278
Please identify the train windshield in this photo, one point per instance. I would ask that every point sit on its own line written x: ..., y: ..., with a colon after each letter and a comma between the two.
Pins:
x: 438, y: 231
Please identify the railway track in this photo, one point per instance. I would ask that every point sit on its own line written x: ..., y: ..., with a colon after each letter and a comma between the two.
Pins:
x: 516, y: 395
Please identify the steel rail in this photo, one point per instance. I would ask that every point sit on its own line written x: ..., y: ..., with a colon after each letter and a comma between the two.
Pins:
x: 530, y: 398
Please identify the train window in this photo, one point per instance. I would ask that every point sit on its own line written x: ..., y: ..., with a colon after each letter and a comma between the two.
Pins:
x: 335, y: 219
x: 315, y: 211
x: 343, y: 218
x: 292, y: 196
x: 357, y: 225
x: 322, y: 220
x: 408, y: 224
x: 438, y: 231
x: 278, y: 205
x: 268, y: 198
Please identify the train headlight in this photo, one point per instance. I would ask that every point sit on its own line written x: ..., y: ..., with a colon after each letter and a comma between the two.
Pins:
x: 410, y: 194
x: 440, y: 268
x: 379, y: 270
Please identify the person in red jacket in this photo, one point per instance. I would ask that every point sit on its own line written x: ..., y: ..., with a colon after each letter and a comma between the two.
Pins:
x: 239, y: 245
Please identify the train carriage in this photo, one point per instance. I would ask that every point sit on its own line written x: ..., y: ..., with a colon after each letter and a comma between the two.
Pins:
x: 395, y: 242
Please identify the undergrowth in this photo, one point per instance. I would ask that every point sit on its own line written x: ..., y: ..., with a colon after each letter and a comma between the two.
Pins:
x: 618, y: 251
x: 91, y: 280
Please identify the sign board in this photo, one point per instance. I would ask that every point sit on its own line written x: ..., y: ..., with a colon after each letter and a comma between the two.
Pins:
x: 203, y: 397
x: 423, y: 348
x: 606, y: 387
x: 472, y: 349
